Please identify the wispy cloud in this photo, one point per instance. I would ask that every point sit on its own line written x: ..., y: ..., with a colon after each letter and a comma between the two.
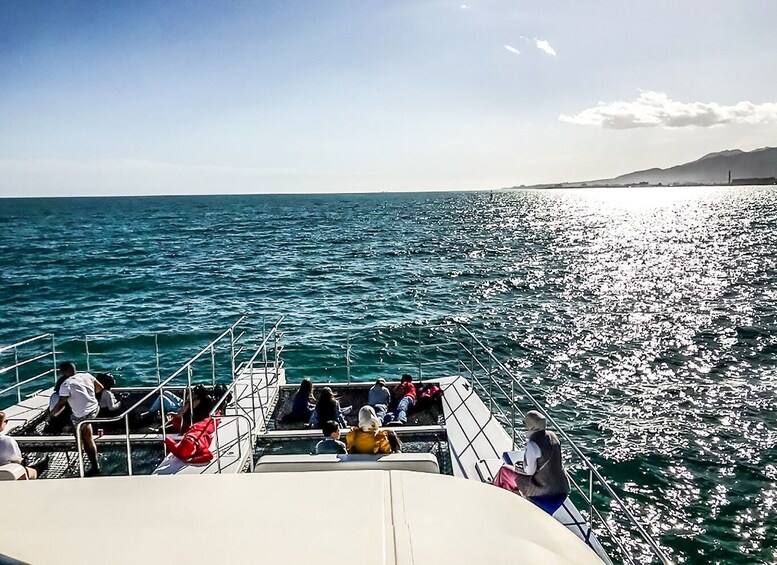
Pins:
x: 512, y: 49
x: 543, y: 45
x: 656, y: 109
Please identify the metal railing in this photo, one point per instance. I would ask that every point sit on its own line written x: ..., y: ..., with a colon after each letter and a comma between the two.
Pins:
x: 159, y: 389
x: 260, y: 357
x: 29, y: 360
x: 496, y: 394
x: 431, y: 357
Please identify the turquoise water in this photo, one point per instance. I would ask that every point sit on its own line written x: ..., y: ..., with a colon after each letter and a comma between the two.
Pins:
x: 645, y: 318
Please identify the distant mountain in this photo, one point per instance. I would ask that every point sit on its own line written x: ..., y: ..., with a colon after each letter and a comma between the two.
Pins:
x: 710, y: 169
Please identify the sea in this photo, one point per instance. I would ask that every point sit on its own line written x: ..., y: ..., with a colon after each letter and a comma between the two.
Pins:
x: 644, y: 319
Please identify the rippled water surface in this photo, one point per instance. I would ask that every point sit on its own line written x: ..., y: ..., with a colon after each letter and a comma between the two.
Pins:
x: 645, y: 318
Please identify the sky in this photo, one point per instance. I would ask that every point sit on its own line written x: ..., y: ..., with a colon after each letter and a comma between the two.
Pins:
x: 191, y: 97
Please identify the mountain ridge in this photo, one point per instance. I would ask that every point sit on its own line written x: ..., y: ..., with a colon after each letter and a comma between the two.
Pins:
x: 758, y: 165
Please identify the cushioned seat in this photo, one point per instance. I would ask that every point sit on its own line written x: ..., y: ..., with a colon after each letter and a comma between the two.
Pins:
x: 11, y: 472
x: 421, y: 462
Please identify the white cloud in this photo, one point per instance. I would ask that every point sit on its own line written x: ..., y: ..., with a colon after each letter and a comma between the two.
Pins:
x: 655, y: 109
x: 512, y: 49
x: 543, y: 45
x: 463, y: 6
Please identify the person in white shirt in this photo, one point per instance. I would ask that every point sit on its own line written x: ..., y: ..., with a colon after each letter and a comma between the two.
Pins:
x: 79, y: 391
x: 10, y: 452
x: 540, y: 476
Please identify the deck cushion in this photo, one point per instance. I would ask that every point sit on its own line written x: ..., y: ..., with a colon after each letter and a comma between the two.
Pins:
x: 421, y: 462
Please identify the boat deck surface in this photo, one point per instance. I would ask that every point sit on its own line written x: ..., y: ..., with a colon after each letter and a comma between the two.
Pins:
x: 403, y: 518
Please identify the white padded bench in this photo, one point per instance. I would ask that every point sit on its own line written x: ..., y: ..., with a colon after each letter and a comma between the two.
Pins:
x: 11, y: 472
x: 421, y: 462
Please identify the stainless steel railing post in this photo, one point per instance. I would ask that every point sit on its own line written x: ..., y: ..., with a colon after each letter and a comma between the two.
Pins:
x: 16, y: 362
x: 164, y: 422
x: 490, y: 386
x: 54, y: 357
x: 458, y: 350
x: 129, y: 449
x: 253, y: 391
x: 216, y: 437
x: 512, y: 411
x: 590, y: 498
x: 348, y: 356
x: 212, y: 366
x: 80, y: 450
x: 156, y: 356
x: 420, y: 369
x: 232, y: 352
x: 189, y: 392
x: 86, y: 347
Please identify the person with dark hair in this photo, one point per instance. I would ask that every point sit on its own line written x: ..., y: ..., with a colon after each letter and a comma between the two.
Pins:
x: 331, y: 443
x: 198, y: 403
x: 79, y: 392
x: 327, y: 408
x: 109, y: 404
x: 302, y: 405
x: 405, y: 397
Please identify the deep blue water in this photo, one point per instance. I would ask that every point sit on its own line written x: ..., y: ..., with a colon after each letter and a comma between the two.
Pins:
x: 645, y: 318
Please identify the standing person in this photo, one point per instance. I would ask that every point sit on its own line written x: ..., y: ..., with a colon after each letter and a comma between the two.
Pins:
x: 405, y: 396
x: 379, y: 398
x: 79, y: 392
x: 540, y: 477
x: 331, y: 442
x: 10, y: 453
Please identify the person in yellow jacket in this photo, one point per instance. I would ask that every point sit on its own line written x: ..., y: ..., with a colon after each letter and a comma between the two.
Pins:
x: 367, y: 438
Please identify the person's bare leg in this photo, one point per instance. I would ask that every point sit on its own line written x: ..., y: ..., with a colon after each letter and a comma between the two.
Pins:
x: 31, y: 474
x: 90, y: 447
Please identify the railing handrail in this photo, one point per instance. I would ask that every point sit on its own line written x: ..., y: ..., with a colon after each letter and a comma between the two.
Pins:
x: 5, y: 348
x: 590, y: 466
x: 167, y: 380
x: 158, y: 388
x: 248, y: 364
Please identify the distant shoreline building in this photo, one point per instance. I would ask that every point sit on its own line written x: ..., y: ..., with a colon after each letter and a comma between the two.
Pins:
x: 763, y: 180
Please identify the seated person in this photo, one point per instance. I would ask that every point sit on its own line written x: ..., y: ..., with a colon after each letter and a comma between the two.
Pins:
x: 219, y: 392
x: 332, y: 443
x: 197, y: 406
x: 328, y: 408
x: 540, y: 477
x: 404, y: 395
x: 302, y: 405
x: 194, y: 446
x: 367, y: 438
x: 10, y: 453
x: 172, y: 403
x: 109, y: 404
x: 379, y: 398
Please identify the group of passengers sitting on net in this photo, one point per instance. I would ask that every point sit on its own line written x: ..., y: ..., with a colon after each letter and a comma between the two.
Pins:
x: 384, y: 408
x: 311, y: 412
x: 367, y: 438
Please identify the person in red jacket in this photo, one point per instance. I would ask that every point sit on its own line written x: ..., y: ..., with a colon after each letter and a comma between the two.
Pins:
x: 194, y: 446
x: 405, y: 396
